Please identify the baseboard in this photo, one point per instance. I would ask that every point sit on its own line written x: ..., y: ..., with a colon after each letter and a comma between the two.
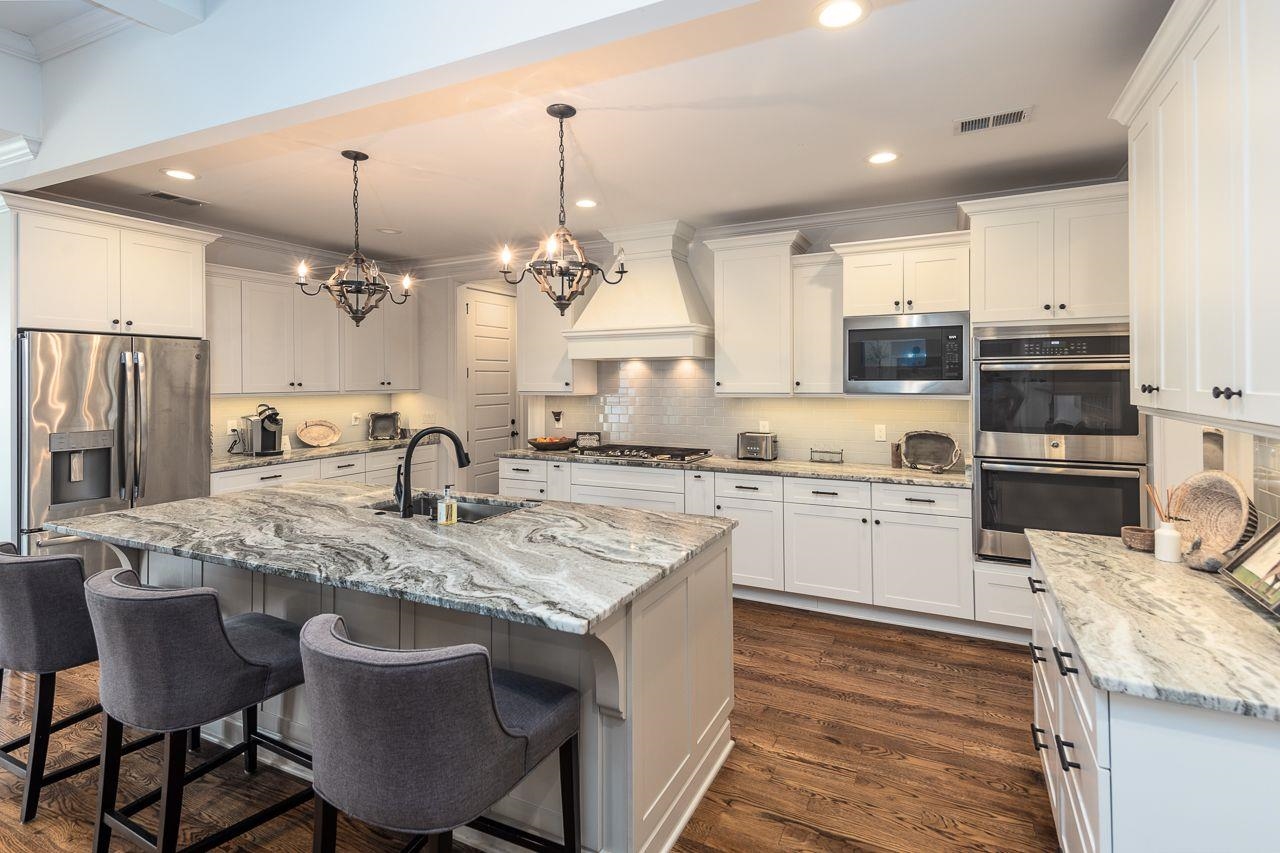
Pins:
x: 886, y: 615
x: 665, y: 840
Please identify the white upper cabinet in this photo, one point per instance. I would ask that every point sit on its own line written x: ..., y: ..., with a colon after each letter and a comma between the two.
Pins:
x: 400, y: 359
x: 1203, y: 129
x: 908, y: 275
x: 1057, y: 255
x: 381, y: 354
x: 817, y: 315
x: 543, y: 365
x: 85, y: 271
x: 316, y: 350
x: 267, y: 322
x: 224, y: 326
x: 753, y: 300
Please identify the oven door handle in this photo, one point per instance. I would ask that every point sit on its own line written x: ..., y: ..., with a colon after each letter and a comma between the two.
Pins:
x: 1019, y: 366
x: 1055, y: 469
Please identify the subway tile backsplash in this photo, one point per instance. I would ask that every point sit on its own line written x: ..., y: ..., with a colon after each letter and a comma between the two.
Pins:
x: 1266, y: 480
x: 674, y: 402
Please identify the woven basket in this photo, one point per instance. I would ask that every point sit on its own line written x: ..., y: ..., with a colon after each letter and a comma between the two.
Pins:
x: 930, y: 450
x: 1213, y: 506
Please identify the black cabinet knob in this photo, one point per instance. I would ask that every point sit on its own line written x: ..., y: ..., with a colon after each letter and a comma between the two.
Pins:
x: 115, y: 322
x: 1062, y: 306
x: 1048, y: 307
x: 719, y: 507
x: 299, y: 384
x: 1216, y: 392
x: 896, y: 303
x: 864, y: 521
x: 290, y: 384
x: 1143, y: 388
x: 566, y: 384
x: 128, y: 322
x: 877, y: 521
x: 909, y: 303
x: 1228, y: 393
x: 797, y: 383
x: 717, y: 383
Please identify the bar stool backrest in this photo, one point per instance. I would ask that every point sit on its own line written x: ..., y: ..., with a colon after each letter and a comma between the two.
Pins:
x: 406, y: 740
x: 166, y: 662
x: 44, y: 623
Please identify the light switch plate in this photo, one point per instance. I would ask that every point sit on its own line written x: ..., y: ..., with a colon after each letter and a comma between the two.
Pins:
x: 232, y: 425
x: 764, y: 426
x: 880, y: 432
x: 355, y: 419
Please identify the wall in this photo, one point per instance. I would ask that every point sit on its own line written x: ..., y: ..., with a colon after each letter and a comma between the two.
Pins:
x: 329, y: 407
x: 1266, y: 480
x: 674, y: 402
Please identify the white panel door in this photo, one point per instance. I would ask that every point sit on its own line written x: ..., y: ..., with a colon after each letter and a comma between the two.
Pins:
x: 753, y: 321
x: 828, y: 552
x: 267, y: 321
x: 224, y: 328
x: 400, y: 346
x: 817, y: 322
x: 873, y: 284
x: 528, y: 489
x: 923, y: 563
x: 364, y: 354
x: 1144, y: 256
x: 1011, y: 265
x: 936, y: 279
x: 559, y: 481
x: 1091, y: 260
x: 491, y: 386
x: 317, y: 354
x: 161, y: 285
x: 1213, y: 169
x: 1170, y: 119
x: 699, y: 493
x: 543, y: 365
x: 68, y: 275
x: 758, y: 548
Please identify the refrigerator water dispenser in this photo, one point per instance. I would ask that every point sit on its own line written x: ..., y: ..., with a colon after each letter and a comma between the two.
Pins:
x: 81, y: 465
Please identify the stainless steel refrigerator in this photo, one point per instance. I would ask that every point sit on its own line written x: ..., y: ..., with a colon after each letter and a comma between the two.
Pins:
x: 107, y: 422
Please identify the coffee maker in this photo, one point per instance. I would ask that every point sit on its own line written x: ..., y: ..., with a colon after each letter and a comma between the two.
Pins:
x: 260, y: 434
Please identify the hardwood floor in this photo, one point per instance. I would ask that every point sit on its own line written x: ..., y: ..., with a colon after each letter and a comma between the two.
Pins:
x: 850, y: 736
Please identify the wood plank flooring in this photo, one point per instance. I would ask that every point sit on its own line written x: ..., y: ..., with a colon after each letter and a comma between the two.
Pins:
x: 850, y: 736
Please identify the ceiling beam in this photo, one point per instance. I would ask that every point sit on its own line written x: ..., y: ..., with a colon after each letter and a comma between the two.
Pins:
x: 167, y: 16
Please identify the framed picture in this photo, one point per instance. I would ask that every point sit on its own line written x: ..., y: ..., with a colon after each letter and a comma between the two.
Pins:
x: 1256, y: 569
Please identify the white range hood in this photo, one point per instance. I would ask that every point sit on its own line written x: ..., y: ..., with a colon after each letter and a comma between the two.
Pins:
x: 656, y: 312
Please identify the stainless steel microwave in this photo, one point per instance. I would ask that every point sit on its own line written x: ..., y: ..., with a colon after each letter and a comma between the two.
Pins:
x: 907, y: 354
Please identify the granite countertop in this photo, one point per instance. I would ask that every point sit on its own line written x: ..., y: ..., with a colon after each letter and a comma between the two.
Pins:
x: 1161, y: 630
x: 959, y: 479
x: 563, y: 566
x: 303, y: 453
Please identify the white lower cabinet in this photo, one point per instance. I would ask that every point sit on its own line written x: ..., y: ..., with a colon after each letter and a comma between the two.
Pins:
x: 559, y: 482
x: 1001, y: 595
x: 828, y: 552
x: 757, y: 540
x: 268, y: 475
x: 700, y: 492
x: 377, y: 468
x: 923, y: 563
x: 527, y: 489
x: 632, y: 498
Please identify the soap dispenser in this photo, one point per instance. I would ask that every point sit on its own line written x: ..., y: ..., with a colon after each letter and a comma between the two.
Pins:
x: 447, y: 507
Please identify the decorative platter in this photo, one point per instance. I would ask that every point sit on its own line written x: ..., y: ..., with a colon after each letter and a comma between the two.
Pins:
x: 318, y: 433
x: 552, y: 442
x: 1213, y: 506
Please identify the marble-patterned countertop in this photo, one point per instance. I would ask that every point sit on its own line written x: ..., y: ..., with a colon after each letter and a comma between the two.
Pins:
x: 302, y: 453
x: 563, y: 566
x: 1161, y: 630
x: 956, y: 479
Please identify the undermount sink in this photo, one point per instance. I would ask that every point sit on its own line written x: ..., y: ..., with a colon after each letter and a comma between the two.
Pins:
x: 469, y: 512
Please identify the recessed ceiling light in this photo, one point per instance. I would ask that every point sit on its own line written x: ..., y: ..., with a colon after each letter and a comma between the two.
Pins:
x: 839, y: 13
x: 390, y: 231
x: 585, y: 202
x: 179, y: 174
x: 881, y: 157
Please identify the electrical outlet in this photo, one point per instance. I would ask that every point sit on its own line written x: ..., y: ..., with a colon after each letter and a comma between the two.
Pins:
x: 355, y: 419
x: 233, y: 424
x: 880, y: 432
x: 764, y: 426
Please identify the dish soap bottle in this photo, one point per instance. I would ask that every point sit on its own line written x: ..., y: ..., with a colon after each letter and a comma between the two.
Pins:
x: 447, y: 507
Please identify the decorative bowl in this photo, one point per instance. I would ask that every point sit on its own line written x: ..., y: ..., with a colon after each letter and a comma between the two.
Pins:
x: 554, y: 442
x: 1138, y: 538
x: 1215, y: 508
x: 318, y: 433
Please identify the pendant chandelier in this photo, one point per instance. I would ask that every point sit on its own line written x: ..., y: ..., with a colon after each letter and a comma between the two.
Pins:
x: 559, y: 265
x: 357, y: 286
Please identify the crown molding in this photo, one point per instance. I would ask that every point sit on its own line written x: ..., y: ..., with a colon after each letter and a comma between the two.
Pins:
x: 889, y: 244
x: 1175, y: 30
x: 18, y: 149
x: 1116, y: 190
x: 17, y: 45
x: 79, y: 31
x: 184, y: 231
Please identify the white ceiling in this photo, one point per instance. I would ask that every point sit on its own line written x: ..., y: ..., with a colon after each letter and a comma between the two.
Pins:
x: 775, y: 127
x: 31, y: 17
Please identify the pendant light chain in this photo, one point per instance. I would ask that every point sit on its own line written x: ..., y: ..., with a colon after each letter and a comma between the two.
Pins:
x: 355, y: 198
x: 561, y: 173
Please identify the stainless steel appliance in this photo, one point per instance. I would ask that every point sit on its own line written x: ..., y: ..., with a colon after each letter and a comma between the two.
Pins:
x: 758, y: 445
x: 107, y: 422
x: 907, y: 354
x: 1057, y: 444
x: 646, y: 451
x: 260, y: 434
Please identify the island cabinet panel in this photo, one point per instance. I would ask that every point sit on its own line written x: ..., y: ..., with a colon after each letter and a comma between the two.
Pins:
x: 297, y: 601
x: 235, y: 587
x: 828, y: 552
x: 923, y: 563
x: 376, y: 618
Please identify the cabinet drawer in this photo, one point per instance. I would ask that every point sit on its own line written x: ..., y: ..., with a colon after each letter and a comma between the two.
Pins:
x: 356, y: 477
x: 750, y: 486
x: 926, y: 499
x: 422, y: 477
x: 268, y: 475
x: 379, y: 460
x: 522, y: 489
x: 1002, y: 595
x: 798, y: 490
x: 1084, y: 705
x: 1086, y: 788
x: 624, y: 477
x: 341, y: 466
x: 633, y: 498
x: 1043, y: 637
x: 1044, y: 726
x: 522, y: 469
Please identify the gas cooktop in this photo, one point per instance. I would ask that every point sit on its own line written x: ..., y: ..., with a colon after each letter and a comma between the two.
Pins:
x: 646, y: 451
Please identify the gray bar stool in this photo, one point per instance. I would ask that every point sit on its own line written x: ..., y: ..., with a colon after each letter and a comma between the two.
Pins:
x: 45, y: 629
x: 426, y: 741
x: 169, y: 662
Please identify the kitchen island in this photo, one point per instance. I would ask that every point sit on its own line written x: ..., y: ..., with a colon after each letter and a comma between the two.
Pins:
x: 631, y: 607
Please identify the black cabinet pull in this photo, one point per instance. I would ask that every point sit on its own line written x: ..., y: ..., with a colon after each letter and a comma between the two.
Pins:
x: 695, y: 476
x: 748, y: 488
x: 1035, y: 653
x: 1067, y: 764
x: 1036, y: 731
x: 1228, y: 393
x: 1036, y: 586
x: 1149, y: 389
x: 1062, y: 306
x: 521, y: 470
x: 271, y: 477
x: 1048, y: 307
x: 920, y: 500
x: 348, y: 465
x: 557, y: 467
x: 829, y: 494
x: 1062, y: 657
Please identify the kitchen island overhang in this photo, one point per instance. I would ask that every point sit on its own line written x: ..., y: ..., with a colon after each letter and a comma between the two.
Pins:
x: 632, y: 607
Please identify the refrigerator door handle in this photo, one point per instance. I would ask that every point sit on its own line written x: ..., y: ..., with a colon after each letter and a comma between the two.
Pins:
x: 144, y: 423
x: 128, y: 428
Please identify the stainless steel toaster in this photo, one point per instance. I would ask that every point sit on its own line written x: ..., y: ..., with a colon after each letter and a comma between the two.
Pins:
x: 758, y: 445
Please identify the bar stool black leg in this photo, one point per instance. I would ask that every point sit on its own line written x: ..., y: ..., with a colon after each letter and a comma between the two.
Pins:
x: 175, y: 760
x: 324, y: 834
x: 41, y: 721
x: 569, y: 793
x: 440, y: 843
x: 195, y: 740
x: 108, y: 779
x: 249, y: 728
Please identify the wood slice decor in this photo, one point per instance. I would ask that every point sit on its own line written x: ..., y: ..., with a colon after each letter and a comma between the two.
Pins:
x: 1213, y: 507
x: 318, y: 433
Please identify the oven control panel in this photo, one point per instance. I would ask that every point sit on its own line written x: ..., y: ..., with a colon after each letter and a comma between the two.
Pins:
x: 1066, y: 346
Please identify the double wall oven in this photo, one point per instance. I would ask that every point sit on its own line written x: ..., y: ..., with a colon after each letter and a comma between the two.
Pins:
x: 1057, y: 443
